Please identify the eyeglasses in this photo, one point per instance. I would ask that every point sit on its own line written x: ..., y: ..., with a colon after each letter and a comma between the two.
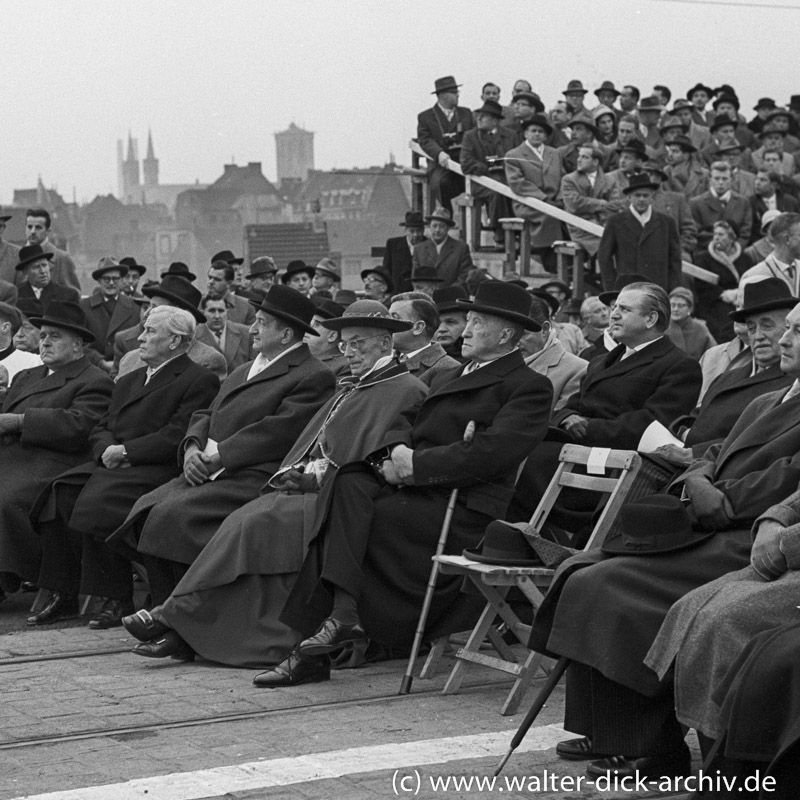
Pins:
x: 357, y: 344
x: 109, y: 279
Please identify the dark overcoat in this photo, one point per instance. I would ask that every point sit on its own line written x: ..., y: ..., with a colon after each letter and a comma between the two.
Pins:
x: 726, y: 399
x: 254, y: 422
x: 31, y: 306
x: 105, y: 326
x: 510, y: 406
x: 620, y: 398
x: 653, y: 251
x: 605, y: 611
x: 150, y: 420
x: 397, y: 261
x: 452, y: 263
x: 60, y: 411
x: 708, y: 209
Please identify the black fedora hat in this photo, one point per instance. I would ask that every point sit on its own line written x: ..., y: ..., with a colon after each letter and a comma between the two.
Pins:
x: 4, y: 217
x: 382, y: 274
x: 414, y: 219
x: 227, y: 256
x: 721, y: 120
x: 560, y: 285
x: 582, y: 118
x: 546, y: 297
x: 769, y: 294
x: 621, y: 281
x: 295, y: 268
x: 446, y: 84
x: 641, y: 180
x: 794, y: 102
x: 180, y: 293
x: 325, y: 308
x: 108, y: 264
x: 780, y: 112
x: 31, y: 253
x: 769, y: 129
x: 655, y: 172
x: 685, y: 144
x: 651, y: 103
x: 532, y: 99
x: 263, y: 265
x: 426, y: 274
x: 504, y: 545
x: 656, y: 523
x: 504, y: 300
x: 130, y: 263
x: 764, y: 102
x: 67, y: 315
x: 491, y: 107
x: 635, y: 146
x: 726, y: 98
x: 670, y: 121
x: 537, y: 119
x: 728, y: 144
x: 699, y: 87
x: 181, y: 270
x: 607, y: 86
x: 367, y: 314
x: 289, y: 305
x: 446, y: 299
x: 575, y: 87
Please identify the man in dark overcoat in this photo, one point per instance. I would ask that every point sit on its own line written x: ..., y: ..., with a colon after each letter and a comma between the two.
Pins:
x: 46, y: 419
x: 234, y: 446
x: 482, y: 153
x: 108, y: 311
x: 133, y: 450
x: 38, y: 289
x: 603, y: 612
x: 439, y: 132
x: 397, y: 257
x: 448, y: 256
x: 370, y: 562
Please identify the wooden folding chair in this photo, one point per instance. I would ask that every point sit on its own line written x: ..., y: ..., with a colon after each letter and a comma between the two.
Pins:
x: 609, y: 473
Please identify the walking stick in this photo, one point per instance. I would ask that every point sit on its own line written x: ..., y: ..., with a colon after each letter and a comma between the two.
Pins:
x: 405, y: 684
x: 538, y: 704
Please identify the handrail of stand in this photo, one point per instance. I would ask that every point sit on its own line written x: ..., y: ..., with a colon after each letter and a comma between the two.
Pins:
x: 546, y: 208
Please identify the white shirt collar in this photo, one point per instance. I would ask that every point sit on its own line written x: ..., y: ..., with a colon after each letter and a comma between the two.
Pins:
x: 261, y: 362
x: 629, y: 351
x: 643, y: 218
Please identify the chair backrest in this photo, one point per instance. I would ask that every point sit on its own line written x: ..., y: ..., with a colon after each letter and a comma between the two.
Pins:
x: 608, y: 472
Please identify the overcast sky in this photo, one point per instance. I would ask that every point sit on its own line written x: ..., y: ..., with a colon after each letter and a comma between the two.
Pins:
x: 215, y: 80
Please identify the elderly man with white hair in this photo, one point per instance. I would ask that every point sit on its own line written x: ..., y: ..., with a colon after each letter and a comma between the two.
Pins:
x: 134, y: 449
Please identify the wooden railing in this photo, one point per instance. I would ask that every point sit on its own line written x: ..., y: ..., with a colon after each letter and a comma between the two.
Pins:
x: 539, y: 205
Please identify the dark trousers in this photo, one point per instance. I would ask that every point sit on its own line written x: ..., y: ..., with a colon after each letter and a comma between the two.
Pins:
x: 619, y: 720
x: 497, y: 207
x: 443, y: 186
x: 163, y: 576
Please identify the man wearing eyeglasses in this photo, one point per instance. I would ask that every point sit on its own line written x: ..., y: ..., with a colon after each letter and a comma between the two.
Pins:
x: 108, y: 311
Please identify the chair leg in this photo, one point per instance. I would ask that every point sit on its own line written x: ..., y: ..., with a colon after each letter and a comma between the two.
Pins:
x: 434, y: 658
x: 457, y: 674
x: 521, y: 684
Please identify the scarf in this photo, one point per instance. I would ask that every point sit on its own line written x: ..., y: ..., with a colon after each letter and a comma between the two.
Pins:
x: 725, y: 259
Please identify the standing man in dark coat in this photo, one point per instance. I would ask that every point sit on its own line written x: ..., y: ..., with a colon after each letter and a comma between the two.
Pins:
x: 439, y: 132
x: 133, y: 450
x: 448, y: 256
x: 9, y: 253
x: 397, y: 258
x: 350, y: 580
x: 38, y: 289
x: 604, y: 612
x: 482, y: 153
x: 641, y: 240
x: 108, y: 311
x: 37, y: 230
x: 233, y: 447
x: 46, y: 419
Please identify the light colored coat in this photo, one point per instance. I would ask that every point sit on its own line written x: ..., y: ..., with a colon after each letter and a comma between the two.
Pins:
x: 564, y: 370
x: 593, y: 203
x: 237, y: 343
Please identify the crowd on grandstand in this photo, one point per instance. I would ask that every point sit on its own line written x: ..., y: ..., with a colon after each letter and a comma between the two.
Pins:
x: 276, y: 456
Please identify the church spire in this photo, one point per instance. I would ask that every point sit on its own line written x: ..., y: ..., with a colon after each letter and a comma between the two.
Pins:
x: 150, y: 163
x: 150, y: 151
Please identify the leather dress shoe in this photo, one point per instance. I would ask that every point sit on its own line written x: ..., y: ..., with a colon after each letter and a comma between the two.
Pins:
x: 577, y: 749
x: 143, y: 627
x: 59, y: 606
x: 666, y: 765
x: 331, y: 636
x: 111, y: 614
x: 170, y: 644
x: 293, y: 671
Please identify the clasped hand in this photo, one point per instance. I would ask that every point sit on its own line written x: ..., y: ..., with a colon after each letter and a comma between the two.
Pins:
x: 113, y: 456
x: 576, y: 426
x: 766, y: 557
x: 710, y: 507
x: 399, y: 467
x: 198, y: 467
x: 294, y: 481
x: 679, y: 456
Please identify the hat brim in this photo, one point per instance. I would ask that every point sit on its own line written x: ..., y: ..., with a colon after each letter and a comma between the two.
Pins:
x: 123, y: 268
x: 389, y: 324
x: 773, y: 305
x: 607, y: 298
x: 5, y: 217
x: 84, y: 333
x: 385, y: 278
x: 187, y: 276
x: 545, y: 126
x: 512, y: 316
x: 252, y: 275
x: 281, y: 314
x: 449, y: 88
x: 616, y: 546
x: 650, y: 185
x: 431, y: 279
x: 476, y: 555
x: 138, y: 268
x: 616, y: 92
x: 287, y: 276
x: 23, y: 264
x: 178, y: 302
x: 334, y: 275
x: 444, y: 308
x: 449, y: 222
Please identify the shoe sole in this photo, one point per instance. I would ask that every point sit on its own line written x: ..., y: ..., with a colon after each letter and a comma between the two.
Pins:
x: 324, y: 649
x: 61, y: 618
x: 309, y: 679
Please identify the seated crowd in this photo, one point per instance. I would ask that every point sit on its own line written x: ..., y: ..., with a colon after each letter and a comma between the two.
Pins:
x: 277, y: 455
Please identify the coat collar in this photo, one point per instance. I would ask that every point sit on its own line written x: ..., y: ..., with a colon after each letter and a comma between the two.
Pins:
x: 485, y: 376
x: 614, y: 366
x: 426, y: 357
x: 273, y: 370
x: 164, y: 376
x: 40, y: 381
